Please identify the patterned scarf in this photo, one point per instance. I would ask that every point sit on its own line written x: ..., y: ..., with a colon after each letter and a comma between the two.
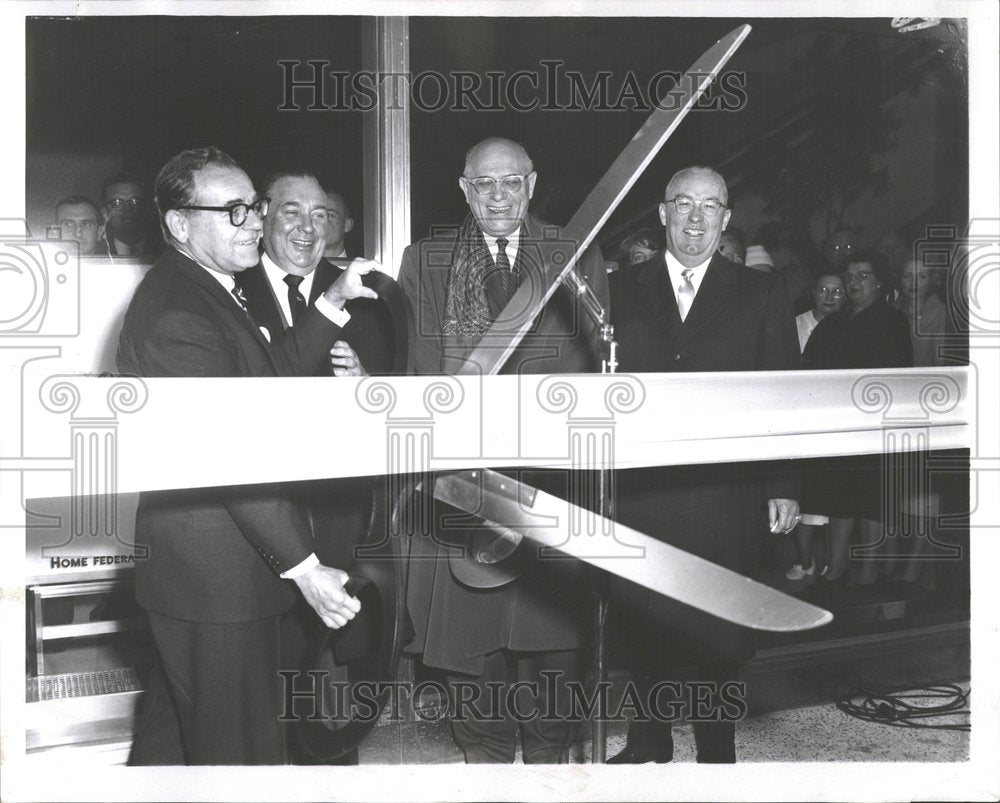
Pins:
x: 467, y: 310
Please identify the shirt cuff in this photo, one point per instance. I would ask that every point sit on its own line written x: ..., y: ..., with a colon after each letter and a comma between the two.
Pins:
x: 307, y: 565
x: 337, y: 316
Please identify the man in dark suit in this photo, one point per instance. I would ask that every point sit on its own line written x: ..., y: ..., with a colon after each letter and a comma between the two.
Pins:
x: 292, y: 274
x: 457, y: 284
x: 690, y: 309
x: 214, y: 580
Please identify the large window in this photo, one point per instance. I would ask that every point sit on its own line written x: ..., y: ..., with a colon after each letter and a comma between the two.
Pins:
x: 114, y: 94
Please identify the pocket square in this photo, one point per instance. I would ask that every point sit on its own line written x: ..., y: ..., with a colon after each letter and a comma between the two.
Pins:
x: 267, y: 334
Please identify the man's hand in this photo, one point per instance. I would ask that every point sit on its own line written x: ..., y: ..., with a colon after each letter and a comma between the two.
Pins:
x: 323, y: 588
x: 783, y: 515
x: 349, y: 285
x: 345, y: 360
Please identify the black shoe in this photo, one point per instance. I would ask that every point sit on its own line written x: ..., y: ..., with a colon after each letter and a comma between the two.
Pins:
x: 642, y: 755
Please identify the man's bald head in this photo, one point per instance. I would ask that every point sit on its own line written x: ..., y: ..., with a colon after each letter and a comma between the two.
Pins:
x: 496, y: 147
x: 696, y: 171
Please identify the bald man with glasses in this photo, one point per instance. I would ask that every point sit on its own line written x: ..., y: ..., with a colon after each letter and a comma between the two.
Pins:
x: 218, y: 563
x: 458, y: 283
x: 689, y: 309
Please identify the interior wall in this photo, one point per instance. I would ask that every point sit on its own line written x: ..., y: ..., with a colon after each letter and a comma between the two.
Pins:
x: 50, y: 177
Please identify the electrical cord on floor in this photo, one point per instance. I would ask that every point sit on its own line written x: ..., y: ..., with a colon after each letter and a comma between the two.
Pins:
x: 907, y: 707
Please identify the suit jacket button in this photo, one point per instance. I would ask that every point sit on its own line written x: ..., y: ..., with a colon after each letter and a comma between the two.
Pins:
x: 677, y: 358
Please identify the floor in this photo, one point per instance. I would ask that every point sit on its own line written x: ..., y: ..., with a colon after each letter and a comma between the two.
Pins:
x: 811, y: 733
x: 792, y: 716
x: 775, y: 730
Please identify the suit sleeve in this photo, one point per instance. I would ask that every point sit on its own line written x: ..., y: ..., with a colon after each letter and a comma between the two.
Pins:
x: 305, y: 346
x: 183, y: 344
x: 779, y: 351
x: 422, y: 323
x: 271, y: 523
x: 779, y: 346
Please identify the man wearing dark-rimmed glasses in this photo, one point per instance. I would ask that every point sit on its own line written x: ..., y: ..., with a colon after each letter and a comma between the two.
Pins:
x: 688, y: 308
x: 214, y: 580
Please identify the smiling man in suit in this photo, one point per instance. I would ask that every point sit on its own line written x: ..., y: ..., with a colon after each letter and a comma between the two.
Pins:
x: 531, y: 630
x: 292, y: 274
x: 690, y: 309
x: 214, y: 582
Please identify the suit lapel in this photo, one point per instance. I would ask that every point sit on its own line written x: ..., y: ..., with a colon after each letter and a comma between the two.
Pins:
x: 326, y: 274
x: 264, y: 307
x: 215, y: 289
x: 658, y: 296
x: 714, y: 296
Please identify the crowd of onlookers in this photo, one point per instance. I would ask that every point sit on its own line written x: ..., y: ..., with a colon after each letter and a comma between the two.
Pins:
x: 126, y: 224
x: 878, y: 307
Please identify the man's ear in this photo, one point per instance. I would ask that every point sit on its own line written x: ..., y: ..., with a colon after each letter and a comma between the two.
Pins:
x: 725, y: 219
x: 464, y: 186
x: 348, y: 225
x: 177, y: 225
x: 532, y: 177
x: 663, y: 214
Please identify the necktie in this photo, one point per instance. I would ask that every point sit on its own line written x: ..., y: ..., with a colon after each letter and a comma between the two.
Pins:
x: 685, y: 293
x: 503, y: 264
x: 498, y: 280
x: 241, y: 299
x: 296, y: 301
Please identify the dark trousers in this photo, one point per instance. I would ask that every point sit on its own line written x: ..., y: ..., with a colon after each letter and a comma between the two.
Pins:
x: 216, y: 698
x: 715, y: 739
x: 512, y: 694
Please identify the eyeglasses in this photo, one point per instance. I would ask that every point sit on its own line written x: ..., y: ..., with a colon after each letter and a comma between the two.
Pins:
x: 832, y: 292
x: 860, y: 276
x: 122, y: 203
x: 238, y: 213
x: 484, y: 185
x: 684, y: 205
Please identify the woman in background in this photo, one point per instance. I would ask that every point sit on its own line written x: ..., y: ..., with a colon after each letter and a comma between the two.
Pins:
x: 867, y: 333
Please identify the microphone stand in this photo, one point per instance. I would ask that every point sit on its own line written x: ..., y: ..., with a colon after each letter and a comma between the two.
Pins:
x: 607, y: 347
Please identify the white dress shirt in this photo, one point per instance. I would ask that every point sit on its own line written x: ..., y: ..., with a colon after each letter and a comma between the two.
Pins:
x: 276, y: 278
x: 805, y: 323
x: 513, y: 242
x: 675, y: 269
